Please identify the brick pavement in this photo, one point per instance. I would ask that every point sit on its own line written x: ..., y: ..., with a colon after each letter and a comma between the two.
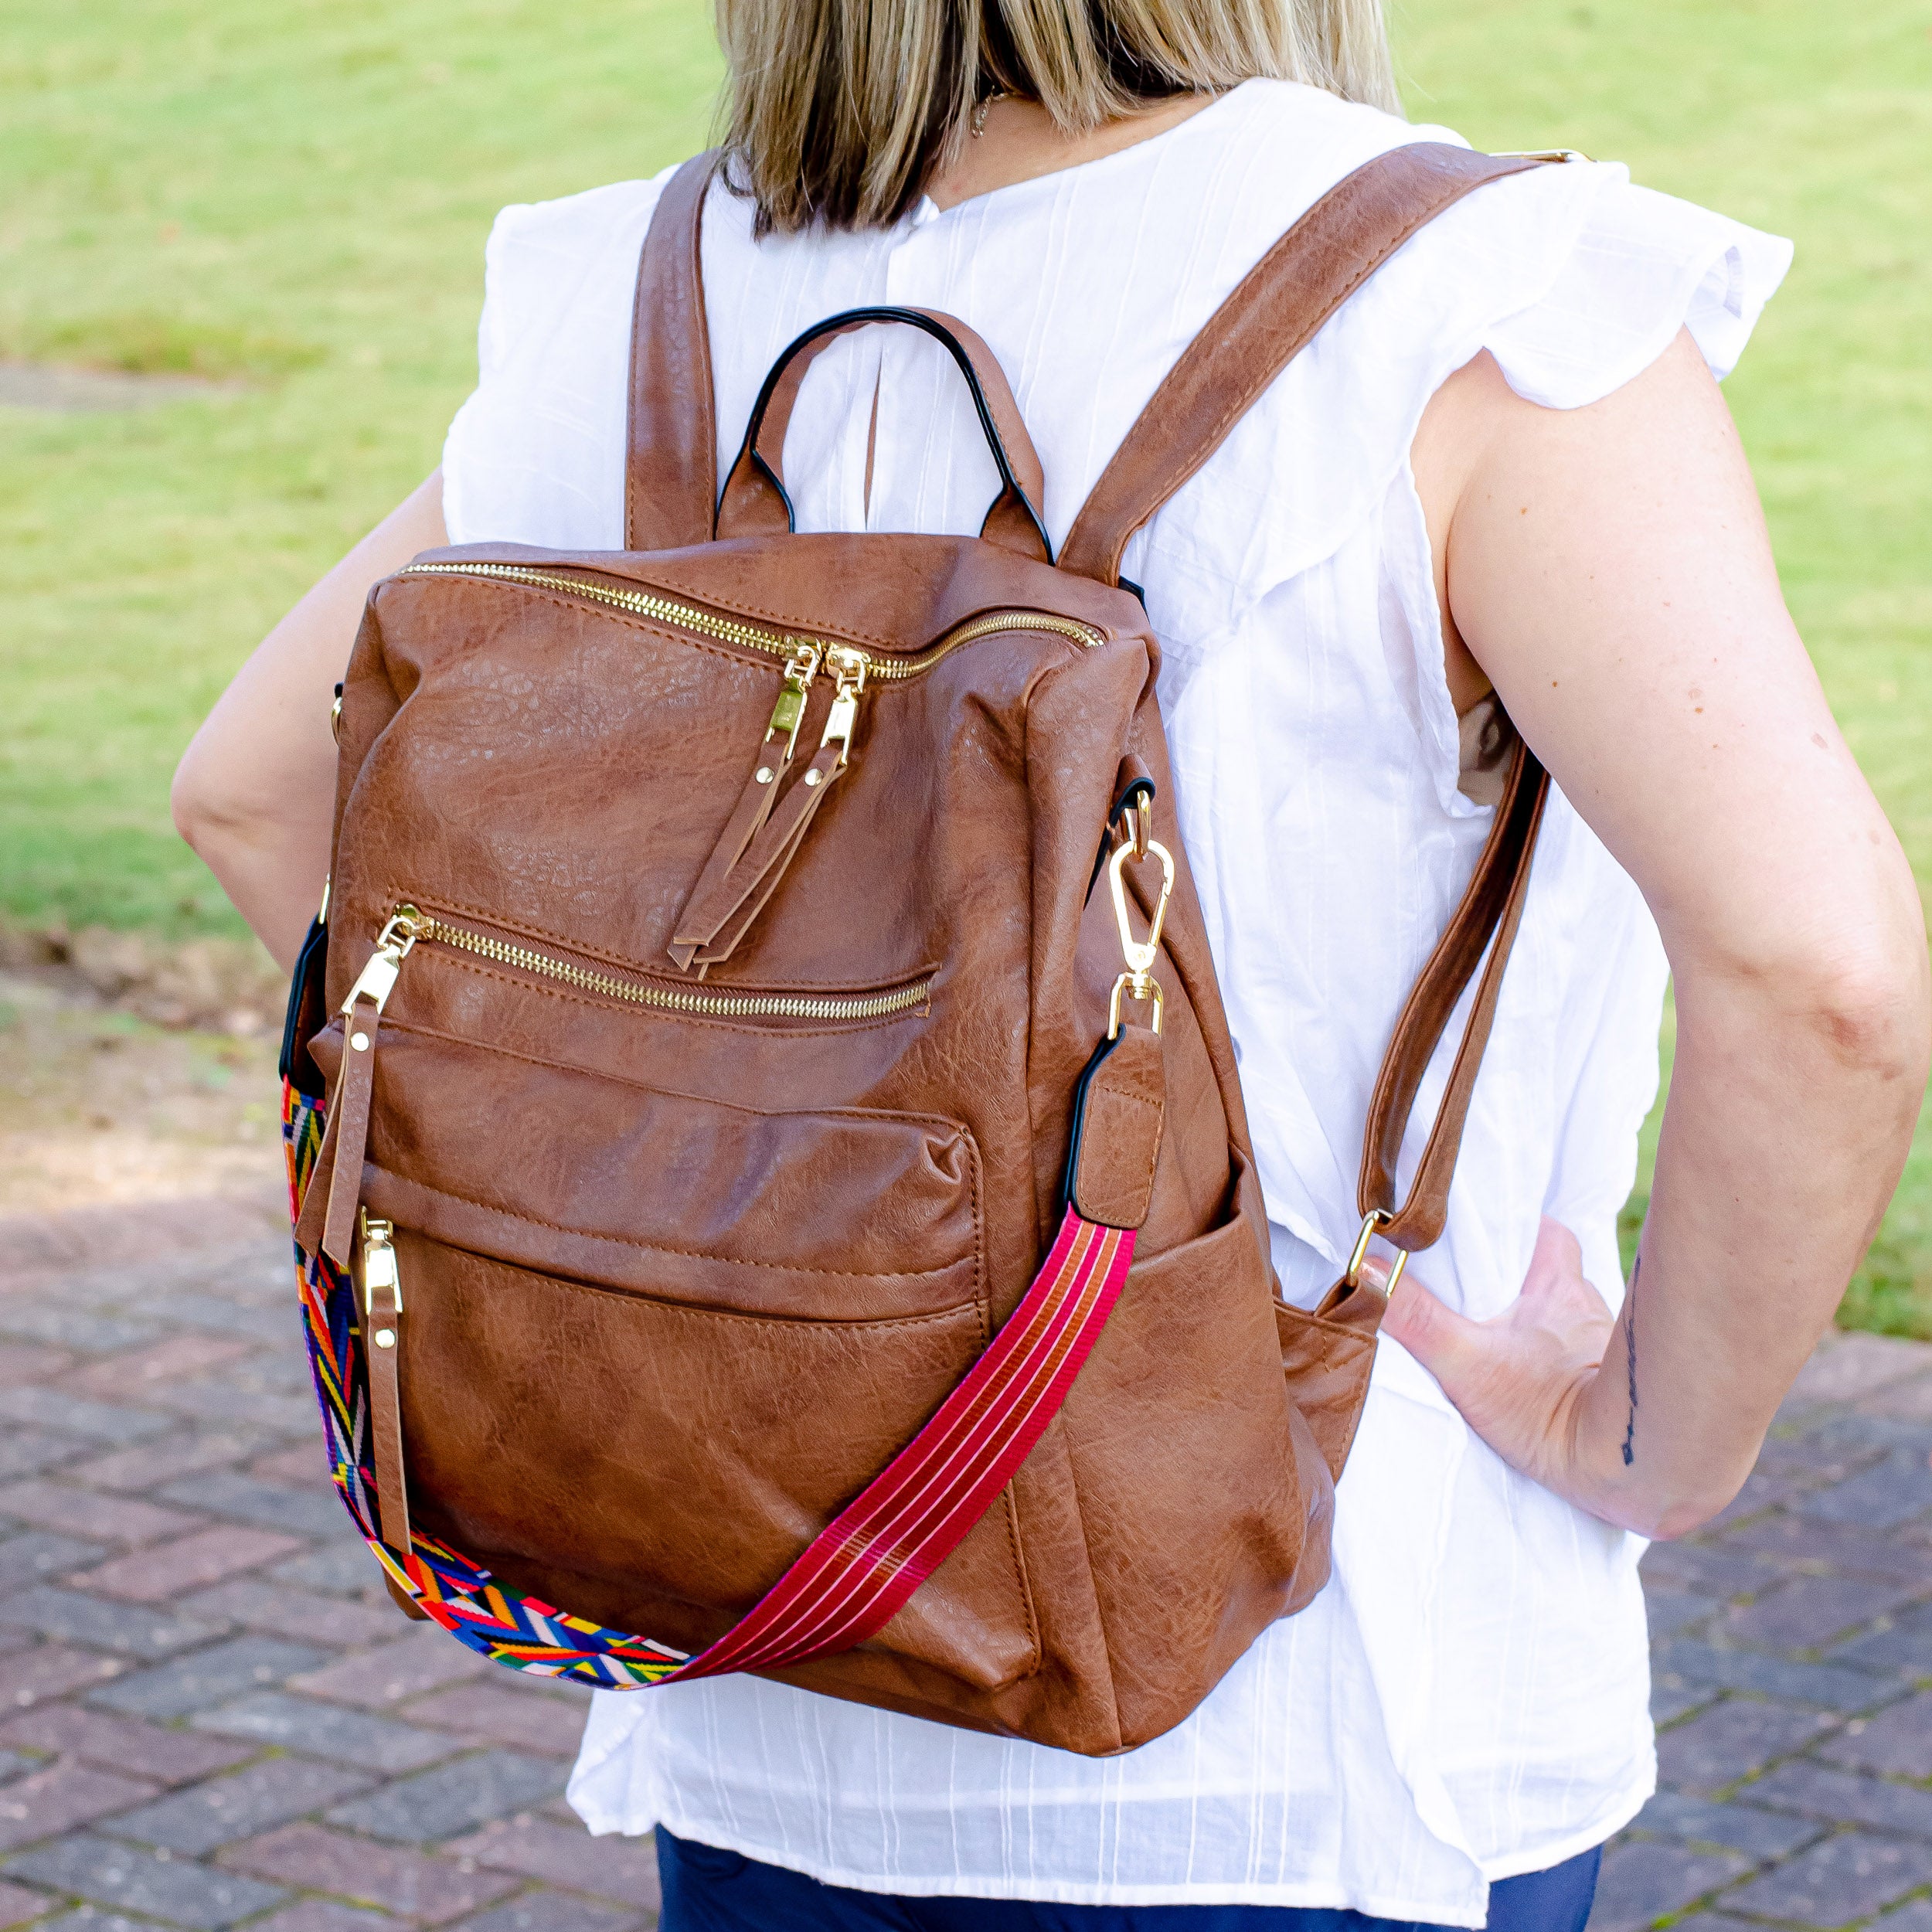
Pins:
x: 1791, y: 1646
x: 210, y: 1715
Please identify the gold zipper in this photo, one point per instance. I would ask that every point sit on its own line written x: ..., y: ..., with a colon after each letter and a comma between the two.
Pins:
x: 420, y: 926
x: 751, y: 636
x: 852, y: 669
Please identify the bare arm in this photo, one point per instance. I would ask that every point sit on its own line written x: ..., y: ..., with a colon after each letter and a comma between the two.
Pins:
x: 1609, y: 569
x: 255, y: 790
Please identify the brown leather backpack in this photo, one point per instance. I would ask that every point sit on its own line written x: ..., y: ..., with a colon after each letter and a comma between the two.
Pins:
x: 786, y: 1203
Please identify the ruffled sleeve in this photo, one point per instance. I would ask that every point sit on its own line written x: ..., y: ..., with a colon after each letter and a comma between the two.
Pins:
x: 1619, y: 270
x: 1642, y: 266
x: 1573, y: 279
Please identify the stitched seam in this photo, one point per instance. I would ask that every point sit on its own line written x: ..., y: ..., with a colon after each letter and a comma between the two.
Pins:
x: 630, y: 620
x: 688, y: 1254
x: 676, y: 1093
x: 708, y: 1315
x: 1329, y: 1330
x: 746, y: 607
x: 1021, y: 1577
x: 1144, y: 1190
x: 1026, y: 1094
x: 1092, y: 1569
x: 982, y: 1292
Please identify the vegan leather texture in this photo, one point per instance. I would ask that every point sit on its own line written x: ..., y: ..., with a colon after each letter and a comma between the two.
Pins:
x: 679, y: 1280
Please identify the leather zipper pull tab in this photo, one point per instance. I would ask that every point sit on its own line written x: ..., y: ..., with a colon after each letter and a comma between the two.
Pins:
x: 710, y: 929
x: 728, y: 898
x: 382, y: 1341
x: 770, y: 857
x: 768, y: 861
x: 754, y: 804
x: 349, y: 1110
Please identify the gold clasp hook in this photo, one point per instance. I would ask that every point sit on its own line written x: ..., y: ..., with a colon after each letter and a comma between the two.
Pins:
x: 1138, y: 982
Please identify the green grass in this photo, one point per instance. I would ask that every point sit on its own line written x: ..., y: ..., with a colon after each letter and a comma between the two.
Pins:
x: 293, y: 200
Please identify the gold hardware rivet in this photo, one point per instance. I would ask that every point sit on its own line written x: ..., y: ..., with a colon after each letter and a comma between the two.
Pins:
x: 812, y: 778
x: 360, y: 1041
x: 385, y: 1337
x: 763, y: 774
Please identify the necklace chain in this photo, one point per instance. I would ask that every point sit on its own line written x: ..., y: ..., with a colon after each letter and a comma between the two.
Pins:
x: 979, y: 112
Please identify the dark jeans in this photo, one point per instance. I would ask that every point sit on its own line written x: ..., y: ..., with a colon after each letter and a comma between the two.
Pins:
x: 707, y: 1890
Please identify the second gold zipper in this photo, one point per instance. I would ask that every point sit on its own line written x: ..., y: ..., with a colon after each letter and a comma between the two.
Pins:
x: 408, y: 926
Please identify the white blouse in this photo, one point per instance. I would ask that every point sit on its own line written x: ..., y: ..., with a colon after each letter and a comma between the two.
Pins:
x: 1467, y: 1698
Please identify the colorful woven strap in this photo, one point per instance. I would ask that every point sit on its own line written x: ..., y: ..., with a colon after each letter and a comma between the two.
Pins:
x: 856, y: 1575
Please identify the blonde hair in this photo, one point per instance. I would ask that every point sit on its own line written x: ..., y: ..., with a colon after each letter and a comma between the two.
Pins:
x: 840, y: 110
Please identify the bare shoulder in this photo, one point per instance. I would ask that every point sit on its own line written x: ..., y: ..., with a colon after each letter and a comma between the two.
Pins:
x: 1667, y: 437
x: 1608, y: 571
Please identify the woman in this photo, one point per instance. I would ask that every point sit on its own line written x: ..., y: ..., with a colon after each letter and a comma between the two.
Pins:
x: 1504, y: 474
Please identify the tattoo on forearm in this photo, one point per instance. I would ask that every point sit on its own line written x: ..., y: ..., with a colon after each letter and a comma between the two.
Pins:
x: 1629, y: 1361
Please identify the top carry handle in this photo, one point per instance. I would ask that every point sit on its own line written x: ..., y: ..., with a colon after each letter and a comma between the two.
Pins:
x: 755, y: 500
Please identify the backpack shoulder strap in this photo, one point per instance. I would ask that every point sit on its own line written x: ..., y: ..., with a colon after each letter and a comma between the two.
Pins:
x: 1484, y: 922
x: 1273, y: 314
x: 671, y: 459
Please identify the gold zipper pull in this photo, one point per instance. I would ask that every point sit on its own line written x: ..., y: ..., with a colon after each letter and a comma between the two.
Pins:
x: 381, y: 1280
x: 750, y: 815
x: 849, y: 667
x: 349, y: 1104
x: 789, y: 712
x: 377, y: 980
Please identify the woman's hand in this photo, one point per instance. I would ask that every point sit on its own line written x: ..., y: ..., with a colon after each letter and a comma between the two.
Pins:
x: 1519, y: 1379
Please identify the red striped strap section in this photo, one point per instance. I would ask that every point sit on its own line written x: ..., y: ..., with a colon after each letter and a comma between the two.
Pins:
x: 861, y: 1570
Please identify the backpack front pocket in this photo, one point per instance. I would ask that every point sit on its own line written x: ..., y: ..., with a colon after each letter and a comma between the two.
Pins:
x: 640, y: 1372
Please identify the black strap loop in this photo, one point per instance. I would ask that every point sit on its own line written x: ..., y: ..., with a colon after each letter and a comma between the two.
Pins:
x: 1011, y: 487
